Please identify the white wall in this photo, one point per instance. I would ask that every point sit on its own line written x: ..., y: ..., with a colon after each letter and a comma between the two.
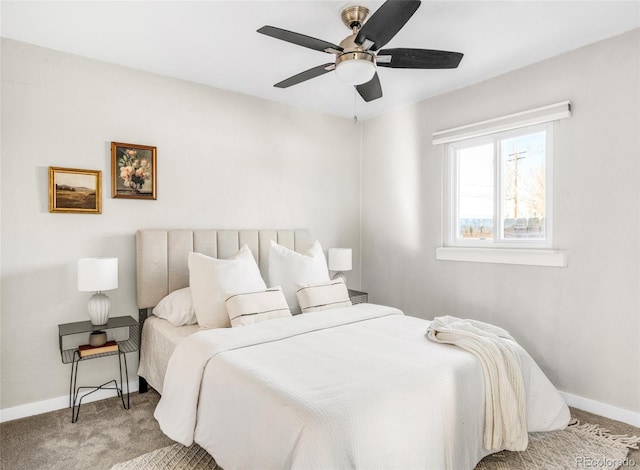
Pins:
x: 225, y: 160
x: 230, y: 161
x: 580, y: 323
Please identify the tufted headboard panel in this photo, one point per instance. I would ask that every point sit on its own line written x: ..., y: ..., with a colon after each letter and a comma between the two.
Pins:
x: 161, y: 255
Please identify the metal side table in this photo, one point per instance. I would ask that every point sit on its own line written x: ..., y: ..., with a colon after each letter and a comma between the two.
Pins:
x: 72, y: 356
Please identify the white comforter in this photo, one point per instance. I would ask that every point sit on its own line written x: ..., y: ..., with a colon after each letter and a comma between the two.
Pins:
x: 356, y: 387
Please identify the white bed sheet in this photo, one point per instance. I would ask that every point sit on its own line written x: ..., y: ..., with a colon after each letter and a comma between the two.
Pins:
x: 159, y: 339
x: 356, y: 387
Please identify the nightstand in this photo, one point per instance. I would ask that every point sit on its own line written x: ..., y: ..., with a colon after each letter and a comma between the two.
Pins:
x: 72, y: 356
x: 358, y: 297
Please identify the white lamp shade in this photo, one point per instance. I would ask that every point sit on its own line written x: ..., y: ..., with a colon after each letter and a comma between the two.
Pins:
x: 355, y: 72
x: 340, y: 259
x: 97, y: 274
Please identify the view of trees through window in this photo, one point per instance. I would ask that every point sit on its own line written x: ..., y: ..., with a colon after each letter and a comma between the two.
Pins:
x: 501, y: 183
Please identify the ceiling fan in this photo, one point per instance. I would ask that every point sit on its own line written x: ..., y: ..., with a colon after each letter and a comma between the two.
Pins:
x: 360, y: 53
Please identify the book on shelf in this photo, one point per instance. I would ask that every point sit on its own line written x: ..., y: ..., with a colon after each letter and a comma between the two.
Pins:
x: 88, y: 350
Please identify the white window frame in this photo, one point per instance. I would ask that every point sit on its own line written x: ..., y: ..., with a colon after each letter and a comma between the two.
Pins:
x: 451, y: 200
x: 536, y: 256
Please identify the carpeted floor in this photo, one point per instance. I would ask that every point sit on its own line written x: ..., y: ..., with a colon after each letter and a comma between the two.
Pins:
x: 105, y: 435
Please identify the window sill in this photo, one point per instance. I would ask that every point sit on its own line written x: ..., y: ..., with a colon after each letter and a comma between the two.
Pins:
x: 550, y: 258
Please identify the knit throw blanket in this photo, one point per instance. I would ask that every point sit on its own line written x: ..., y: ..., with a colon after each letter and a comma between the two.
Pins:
x: 505, y: 424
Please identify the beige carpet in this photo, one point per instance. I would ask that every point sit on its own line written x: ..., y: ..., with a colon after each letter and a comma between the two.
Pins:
x: 578, y: 446
x: 104, y: 435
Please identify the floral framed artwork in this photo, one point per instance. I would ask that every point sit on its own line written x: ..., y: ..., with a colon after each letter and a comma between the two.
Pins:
x: 133, y: 171
x: 75, y: 191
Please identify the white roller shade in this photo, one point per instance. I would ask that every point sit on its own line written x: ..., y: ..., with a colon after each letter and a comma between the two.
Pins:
x: 549, y: 113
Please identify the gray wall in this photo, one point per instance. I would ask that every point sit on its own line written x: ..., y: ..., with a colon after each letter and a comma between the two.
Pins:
x: 581, y: 323
x: 224, y: 161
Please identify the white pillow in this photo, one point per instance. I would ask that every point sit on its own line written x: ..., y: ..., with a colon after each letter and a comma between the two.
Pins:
x: 323, y: 296
x: 288, y: 268
x: 177, y: 308
x: 210, y: 277
x: 253, y: 307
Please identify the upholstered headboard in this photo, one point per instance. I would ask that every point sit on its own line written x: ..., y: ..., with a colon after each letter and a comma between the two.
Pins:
x: 161, y: 255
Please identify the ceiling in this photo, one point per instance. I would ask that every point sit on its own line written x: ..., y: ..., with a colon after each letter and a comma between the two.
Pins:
x: 215, y: 42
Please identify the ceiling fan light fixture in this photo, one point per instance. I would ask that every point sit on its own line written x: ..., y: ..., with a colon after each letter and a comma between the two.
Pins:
x: 355, y: 68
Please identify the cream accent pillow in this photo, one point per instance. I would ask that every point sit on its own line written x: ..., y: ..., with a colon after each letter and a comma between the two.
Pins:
x: 323, y: 296
x: 177, y: 308
x: 253, y: 307
x: 210, y: 277
x: 288, y: 268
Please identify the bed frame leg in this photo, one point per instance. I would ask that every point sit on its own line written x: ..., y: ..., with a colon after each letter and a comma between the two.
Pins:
x: 143, y: 386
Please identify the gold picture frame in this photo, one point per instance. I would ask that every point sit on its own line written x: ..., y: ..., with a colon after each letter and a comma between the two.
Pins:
x: 133, y: 171
x: 73, y: 190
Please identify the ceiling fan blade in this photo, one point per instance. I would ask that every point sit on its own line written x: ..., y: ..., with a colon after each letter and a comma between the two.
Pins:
x: 385, y: 23
x: 300, y: 39
x: 306, y: 75
x: 418, y: 59
x: 372, y: 90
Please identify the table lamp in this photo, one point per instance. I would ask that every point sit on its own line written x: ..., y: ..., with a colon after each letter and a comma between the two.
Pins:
x: 97, y: 275
x: 339, y: 261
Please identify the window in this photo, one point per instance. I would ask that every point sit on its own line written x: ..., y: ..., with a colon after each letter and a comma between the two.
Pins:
x: 500, y: 189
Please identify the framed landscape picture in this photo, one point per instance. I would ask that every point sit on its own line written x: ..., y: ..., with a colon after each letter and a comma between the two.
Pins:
x: 73, y: 190
x: 133, y: 171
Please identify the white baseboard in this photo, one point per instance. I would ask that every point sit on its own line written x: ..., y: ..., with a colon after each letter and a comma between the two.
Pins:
x: 602, y: 409
x: 53, y: 404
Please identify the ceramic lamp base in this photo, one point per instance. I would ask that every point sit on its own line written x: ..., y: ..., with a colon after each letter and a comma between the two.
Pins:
x: 340, y: 275
x: 98, y: 307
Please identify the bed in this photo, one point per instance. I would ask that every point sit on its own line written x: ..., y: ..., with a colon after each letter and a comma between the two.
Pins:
x: 351, y: 387
x: 161, y: 268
